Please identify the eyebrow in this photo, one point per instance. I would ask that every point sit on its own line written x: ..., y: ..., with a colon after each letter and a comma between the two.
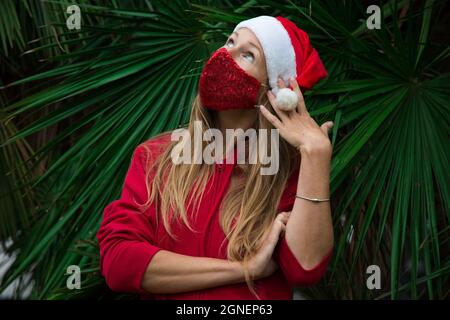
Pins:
x: 251, y: 43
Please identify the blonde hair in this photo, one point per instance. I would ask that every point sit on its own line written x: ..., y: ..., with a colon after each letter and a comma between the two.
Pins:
x: 255, y: 197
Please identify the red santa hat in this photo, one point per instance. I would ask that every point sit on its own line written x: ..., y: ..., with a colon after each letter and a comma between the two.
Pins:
x: 288, y: 53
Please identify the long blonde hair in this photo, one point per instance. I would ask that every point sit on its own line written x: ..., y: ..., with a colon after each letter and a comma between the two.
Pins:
x: 250, y: 204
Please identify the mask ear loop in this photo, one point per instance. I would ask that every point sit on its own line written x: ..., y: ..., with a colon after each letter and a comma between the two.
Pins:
x: 266, y: 85
x: 262, y: 85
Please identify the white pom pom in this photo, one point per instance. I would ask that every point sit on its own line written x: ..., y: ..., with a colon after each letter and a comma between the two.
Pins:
x: 287, y: 99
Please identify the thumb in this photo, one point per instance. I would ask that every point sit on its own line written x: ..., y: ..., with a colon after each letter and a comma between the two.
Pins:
x: 326, y: 127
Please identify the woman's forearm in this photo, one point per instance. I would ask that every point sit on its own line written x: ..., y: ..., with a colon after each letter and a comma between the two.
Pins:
x: 309, y: 231
x: 170, y: 272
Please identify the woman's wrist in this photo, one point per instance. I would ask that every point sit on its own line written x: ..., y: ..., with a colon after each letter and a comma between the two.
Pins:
x: 237, y: 271
x: 322, y: 150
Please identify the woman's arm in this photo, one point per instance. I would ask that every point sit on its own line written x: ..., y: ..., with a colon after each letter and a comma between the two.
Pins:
x: 169, y: 272
x: 295, y: 272
x: 309, y: 232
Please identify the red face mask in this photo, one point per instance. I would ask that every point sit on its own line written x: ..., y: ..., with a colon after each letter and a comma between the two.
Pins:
x: 225, y: 85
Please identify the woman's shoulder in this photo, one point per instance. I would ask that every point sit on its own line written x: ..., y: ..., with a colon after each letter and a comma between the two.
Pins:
x: 160, y: 140
x: 154, y: 146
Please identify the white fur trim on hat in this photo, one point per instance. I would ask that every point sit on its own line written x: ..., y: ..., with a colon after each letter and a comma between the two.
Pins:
x: 277, y: 46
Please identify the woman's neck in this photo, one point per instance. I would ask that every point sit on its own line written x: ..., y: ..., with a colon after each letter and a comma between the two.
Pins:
x: 236, y: 119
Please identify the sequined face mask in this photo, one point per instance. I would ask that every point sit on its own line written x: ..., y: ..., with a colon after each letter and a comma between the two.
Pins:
x: 225, y: 85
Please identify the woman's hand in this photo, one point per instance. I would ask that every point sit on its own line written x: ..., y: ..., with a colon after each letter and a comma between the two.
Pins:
x: 262, y: 264
x: 297, y: 127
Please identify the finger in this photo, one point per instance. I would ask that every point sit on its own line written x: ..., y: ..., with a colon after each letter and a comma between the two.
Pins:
x: 301, y: 107
x: 279, y: 228
x: 279, y: 223
x: 281, y: 83
x: 284, y: 217
x: 273, y: 102
x: 272, y: 239
x: 326, y: 127
x: 282, y: 230
x: 270, y: 117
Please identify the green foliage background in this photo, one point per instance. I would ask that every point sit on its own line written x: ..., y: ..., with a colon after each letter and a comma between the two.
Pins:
x: 75, y: 104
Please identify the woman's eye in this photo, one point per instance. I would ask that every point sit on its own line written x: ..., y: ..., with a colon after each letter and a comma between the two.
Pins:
x: 229, y: 41
x: 249, y: 56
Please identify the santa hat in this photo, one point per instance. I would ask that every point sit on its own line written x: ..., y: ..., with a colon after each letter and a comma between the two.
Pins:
x: 288, y: 53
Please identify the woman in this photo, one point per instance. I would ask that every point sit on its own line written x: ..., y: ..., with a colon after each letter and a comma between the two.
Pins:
x: 224, y: 230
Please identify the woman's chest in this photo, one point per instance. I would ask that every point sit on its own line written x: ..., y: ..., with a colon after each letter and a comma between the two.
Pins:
x: 204, y: 236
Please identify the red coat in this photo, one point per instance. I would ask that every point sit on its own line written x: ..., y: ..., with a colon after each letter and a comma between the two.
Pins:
x: 129, y: 239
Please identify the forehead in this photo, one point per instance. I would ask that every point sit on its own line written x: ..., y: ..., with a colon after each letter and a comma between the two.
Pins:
x: 248, y: 35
